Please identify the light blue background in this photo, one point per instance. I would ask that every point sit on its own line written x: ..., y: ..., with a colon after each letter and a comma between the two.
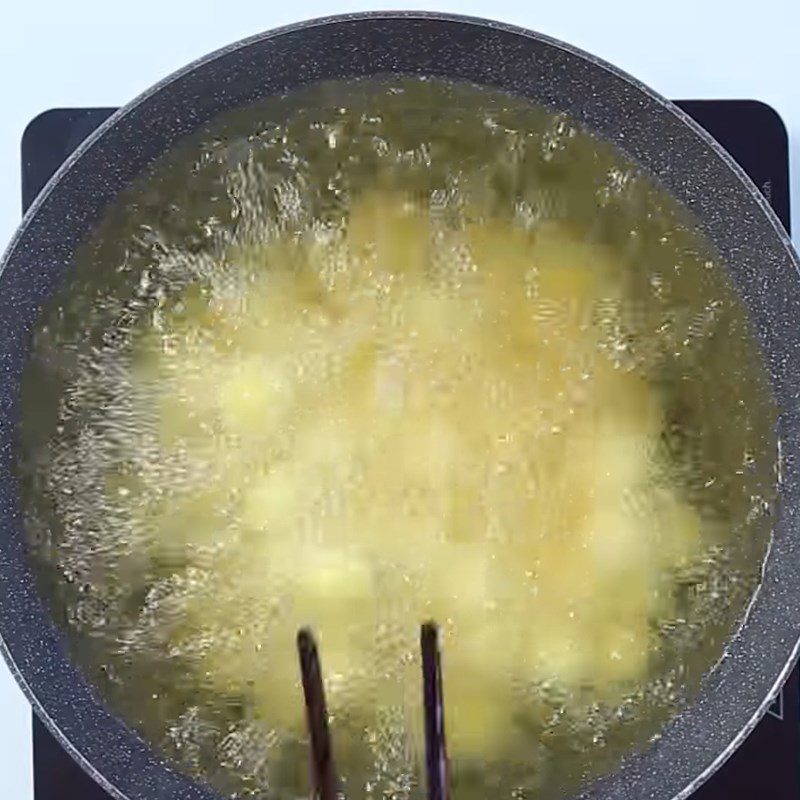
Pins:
x: 87, y: 53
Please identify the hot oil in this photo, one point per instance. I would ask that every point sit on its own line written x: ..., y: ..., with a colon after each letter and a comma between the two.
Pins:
x: 140, y: 479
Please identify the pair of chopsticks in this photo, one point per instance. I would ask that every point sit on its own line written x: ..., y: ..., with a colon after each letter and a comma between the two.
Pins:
x: 324, y: 783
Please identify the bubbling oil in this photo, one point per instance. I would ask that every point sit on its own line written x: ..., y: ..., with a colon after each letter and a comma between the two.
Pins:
x: 381, y: 351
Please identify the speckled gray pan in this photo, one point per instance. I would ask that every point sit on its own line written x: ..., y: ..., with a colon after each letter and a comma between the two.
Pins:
x: 650, y: 129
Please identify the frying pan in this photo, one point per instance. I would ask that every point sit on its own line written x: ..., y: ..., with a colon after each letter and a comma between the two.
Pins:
x: 652, y: 131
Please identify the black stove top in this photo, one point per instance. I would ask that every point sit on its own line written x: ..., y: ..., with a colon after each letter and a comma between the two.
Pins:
x: 767, y: 765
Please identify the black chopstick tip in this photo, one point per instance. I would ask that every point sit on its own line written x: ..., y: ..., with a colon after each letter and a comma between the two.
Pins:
x: 305, y: 641
x: 437, y: 767
x: 323, y: 774
x: 429, y: 634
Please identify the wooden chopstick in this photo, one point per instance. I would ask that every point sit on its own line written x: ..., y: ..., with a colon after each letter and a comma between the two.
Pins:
x: 438, y: 772
x: 324, y: 784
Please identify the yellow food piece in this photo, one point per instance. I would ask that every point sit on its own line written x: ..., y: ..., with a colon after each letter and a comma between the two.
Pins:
x: 254, y: 395
x: 406, y: 422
